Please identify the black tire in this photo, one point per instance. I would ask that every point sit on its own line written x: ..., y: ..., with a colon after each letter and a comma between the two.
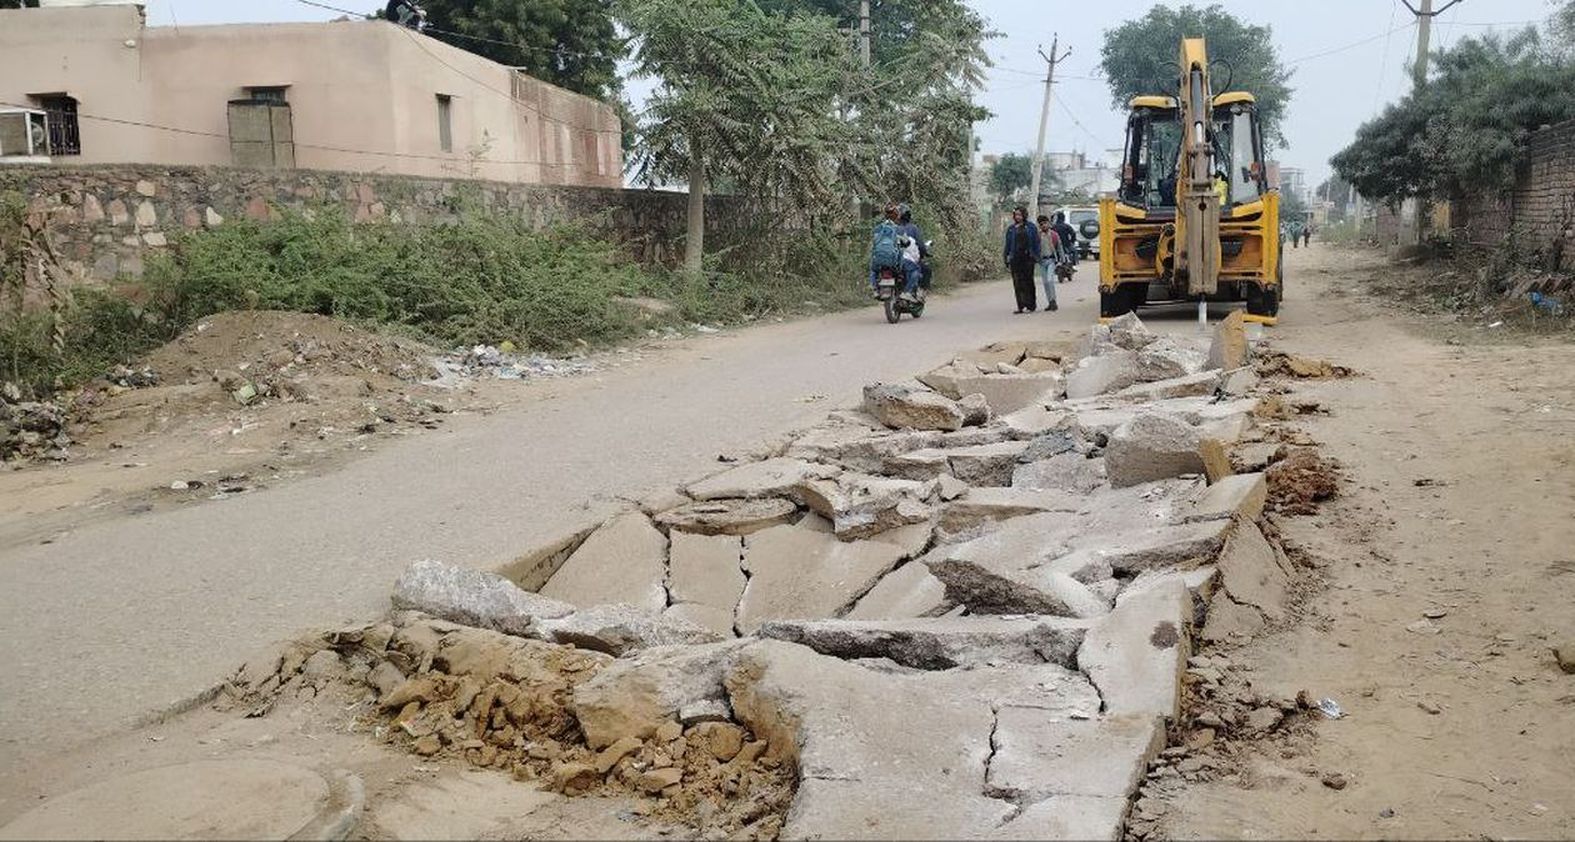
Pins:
x: 892, y: 313
x: 1125, y: 299
x: 1263, y: 302
x: 917, y: 312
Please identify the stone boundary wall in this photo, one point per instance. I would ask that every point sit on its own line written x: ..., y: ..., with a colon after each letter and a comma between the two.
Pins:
x: 105, y: 221
x: 1540, y: 208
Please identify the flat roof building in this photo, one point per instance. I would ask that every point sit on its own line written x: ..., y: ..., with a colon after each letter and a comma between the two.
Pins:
x: 97, y: 85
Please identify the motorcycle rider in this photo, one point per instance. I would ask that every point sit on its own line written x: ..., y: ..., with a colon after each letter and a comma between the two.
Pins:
x: 1067, y: 234
x: 913, y: 253
x: 886, y: 249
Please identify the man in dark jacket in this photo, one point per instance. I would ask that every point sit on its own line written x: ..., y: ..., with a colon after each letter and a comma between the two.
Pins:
x: 1021, y: 255
x: 1067, y: 233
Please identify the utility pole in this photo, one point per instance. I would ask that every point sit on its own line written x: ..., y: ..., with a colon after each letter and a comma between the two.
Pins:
x: 1044, y: 121
x: 1424, y: 32
x: 1414, y: 210
x: 864, y: 31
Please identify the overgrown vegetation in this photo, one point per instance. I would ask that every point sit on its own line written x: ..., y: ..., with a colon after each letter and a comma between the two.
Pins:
x: 1464, y: 131
x: 486, y: 279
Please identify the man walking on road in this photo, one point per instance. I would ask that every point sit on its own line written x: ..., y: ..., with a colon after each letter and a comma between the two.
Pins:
x: 1021, y: 255
x: 1050, y: 257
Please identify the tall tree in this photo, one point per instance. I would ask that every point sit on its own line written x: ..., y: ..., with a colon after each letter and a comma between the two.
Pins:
x: 1012, y: 172
x: 742, y: 96
x: 573, y: 44
x: 1140, y: 57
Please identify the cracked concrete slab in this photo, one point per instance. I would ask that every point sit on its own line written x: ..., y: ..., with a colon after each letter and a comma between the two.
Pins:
x: 939, y: 643
x: 770, y: 478
x: 799, y: 573
x: 1037, y: 757
x: 907, y: 592
x: 624, y: 561
x: 851, y: 730
x: 1135, y: 655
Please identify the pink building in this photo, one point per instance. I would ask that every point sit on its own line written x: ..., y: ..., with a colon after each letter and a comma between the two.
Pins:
x: 94, y: 85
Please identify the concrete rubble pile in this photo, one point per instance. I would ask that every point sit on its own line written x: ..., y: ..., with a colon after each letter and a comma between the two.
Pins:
x: 962, y: 611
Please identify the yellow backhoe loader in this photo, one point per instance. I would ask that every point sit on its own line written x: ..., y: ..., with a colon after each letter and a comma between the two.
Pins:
x: 1194, y: 219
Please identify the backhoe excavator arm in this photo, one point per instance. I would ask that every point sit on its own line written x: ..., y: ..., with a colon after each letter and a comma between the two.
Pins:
x: 1198, y: 205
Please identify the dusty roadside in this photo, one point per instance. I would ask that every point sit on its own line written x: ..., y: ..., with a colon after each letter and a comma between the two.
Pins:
x: 1450, y: 577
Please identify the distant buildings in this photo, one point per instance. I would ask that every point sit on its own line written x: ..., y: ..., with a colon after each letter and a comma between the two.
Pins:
x: 89, y: 82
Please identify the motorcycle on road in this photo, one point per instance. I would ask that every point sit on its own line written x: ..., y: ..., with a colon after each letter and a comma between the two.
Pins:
x: 887, y: 289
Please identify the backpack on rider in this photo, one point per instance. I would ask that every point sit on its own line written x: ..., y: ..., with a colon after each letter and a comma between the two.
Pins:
x: 886, y: 250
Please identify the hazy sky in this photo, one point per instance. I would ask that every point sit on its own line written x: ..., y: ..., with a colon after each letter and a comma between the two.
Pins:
x: 1349, y: 58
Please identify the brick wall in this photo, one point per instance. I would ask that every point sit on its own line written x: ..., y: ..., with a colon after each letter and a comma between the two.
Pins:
x: 106, y: 220
x: 1541, y: 207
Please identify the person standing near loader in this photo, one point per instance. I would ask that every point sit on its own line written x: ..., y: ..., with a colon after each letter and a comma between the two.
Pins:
x: 1021, y: 255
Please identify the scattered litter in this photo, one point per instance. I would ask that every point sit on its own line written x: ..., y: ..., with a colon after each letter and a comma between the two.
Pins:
x: 1428, y: 482
x: 1331, y: 709
x: 1386, y: 813
x: 1422, y: 627
x: 488, y: 361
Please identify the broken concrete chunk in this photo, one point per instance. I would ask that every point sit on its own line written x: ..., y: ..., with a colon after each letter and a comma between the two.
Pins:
x: 623, y: 561
x: 1167, y: 358
x: 1185, y: 386
x: 987, y: 505
x: 901, y: 407
x: 705, y: 574
x: 944, y: 379
x: 859, y: 505
x: 636, y: 694
x: 908, y: 591
x: 1136, y: 549
x: 1008, y: 393
x: 850, y: 730
x: 1251, y: 574
x: 1152, y: 447
x: 1130, y: 333
x: 1216, y: 462
x: 1228, y: 348
x: 1135, y: 654
x: 1087, y: 817
x: 856, y: 446
x: 771, y: 478
x: 1028, y: 422
x: 986, y: 465
x: 1072, y: 473
x: 940, y: 643
x: 1230, y: 621
x: 728, y: 517
x: 1101, y: 374
x: 976, y: 409
x: 1037, y: 757
x: 474, y: 598
x: 1008, y: 570
x: 802, y: 573
x: 718, y: 620
x: 617, y: 629
x: 1239, y: 382
x: 1239, y: 495
x: 920, y: 465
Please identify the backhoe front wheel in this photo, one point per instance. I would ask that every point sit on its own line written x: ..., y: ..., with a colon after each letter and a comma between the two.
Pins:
x: 1121, y: 301
x: 1263, y: 302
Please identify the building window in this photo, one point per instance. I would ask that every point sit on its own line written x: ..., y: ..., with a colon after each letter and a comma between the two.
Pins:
x: 445, y: 122
x: 272, y: 94
x: 65, y: 138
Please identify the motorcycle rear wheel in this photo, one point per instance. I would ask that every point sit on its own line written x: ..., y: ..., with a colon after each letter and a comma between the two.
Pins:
x: 892, y: 313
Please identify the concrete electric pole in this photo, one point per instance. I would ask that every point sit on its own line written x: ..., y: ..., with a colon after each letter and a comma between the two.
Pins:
x: 864, y: 31
x: 1424, y: 33
x: 1044, y: 123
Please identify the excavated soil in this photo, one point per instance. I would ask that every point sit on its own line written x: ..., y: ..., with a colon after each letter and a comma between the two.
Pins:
x: 498, y: 702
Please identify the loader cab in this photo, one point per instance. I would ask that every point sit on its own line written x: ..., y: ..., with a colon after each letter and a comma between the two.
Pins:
x: 1152, y: 154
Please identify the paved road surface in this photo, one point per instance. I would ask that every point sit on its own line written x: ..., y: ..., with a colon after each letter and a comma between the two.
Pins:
x: 127, y: 615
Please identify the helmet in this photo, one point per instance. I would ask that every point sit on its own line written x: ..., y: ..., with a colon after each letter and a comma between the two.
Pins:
x: 892, y: 210
x: 904, y: 212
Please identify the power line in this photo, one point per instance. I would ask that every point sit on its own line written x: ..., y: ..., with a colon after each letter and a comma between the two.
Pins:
x: 554, y: 50
x: 1353, y: 45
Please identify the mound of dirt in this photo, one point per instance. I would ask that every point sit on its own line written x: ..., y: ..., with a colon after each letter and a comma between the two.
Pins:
x: 267, y: 345
x: 1290, y: 365
x: 1300, y: 479
x: 495, y: 701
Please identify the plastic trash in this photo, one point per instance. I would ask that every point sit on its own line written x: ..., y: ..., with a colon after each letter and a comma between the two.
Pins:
x: 1330, y: 708
x: 1543, y: 302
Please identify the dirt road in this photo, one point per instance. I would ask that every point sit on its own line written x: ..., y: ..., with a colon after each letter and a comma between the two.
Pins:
x: 129, y: 614
x: 1450, y: 575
